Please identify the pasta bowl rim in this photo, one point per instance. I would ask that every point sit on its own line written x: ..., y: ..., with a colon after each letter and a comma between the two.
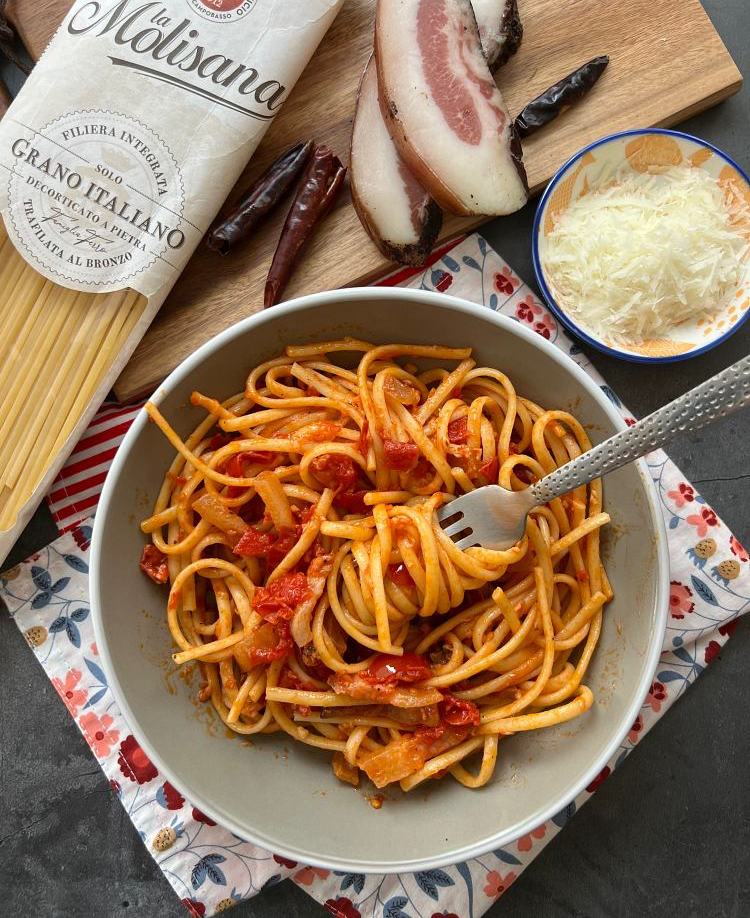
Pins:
x: 560, y: 311
x: 198, y: 796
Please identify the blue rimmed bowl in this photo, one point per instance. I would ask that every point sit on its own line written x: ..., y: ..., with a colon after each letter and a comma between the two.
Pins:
x: 648, y: 150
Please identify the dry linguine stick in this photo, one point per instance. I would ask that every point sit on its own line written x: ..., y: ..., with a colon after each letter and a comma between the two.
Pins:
x: 19, y: 324
x: 29, y: 387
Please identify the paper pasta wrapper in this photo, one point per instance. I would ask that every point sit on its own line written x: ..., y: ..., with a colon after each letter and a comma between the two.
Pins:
x: 116, y: 156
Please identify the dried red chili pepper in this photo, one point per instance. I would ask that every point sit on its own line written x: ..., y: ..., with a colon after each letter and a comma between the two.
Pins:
x: 571, y: 89
x: 239, y: 221
x: 318, y: 188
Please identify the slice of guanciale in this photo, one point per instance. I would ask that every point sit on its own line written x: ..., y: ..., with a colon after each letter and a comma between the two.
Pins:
x: 500, y: 29
x: 399, y: 215
x: 444, y: 112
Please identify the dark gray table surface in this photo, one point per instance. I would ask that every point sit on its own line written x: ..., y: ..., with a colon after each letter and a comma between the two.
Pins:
x: 667, y: 835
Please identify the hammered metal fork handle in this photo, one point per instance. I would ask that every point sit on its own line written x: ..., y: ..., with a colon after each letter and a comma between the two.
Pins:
x: 716, y: 398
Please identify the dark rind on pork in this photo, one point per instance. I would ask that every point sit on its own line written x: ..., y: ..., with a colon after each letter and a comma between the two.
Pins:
x: 512, y: 28
x: 415, y: 254
x: 427, y: 221
x: 443, y: 199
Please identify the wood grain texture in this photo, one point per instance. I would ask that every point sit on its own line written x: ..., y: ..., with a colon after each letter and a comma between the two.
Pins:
x: 36, y: 21
x: 667, y: 63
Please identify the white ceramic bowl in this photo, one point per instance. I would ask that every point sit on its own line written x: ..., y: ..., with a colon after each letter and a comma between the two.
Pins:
x: 282, y: 795
x: 647, y: 150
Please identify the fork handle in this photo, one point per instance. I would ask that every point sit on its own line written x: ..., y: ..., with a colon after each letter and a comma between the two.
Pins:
x: 716, y: 398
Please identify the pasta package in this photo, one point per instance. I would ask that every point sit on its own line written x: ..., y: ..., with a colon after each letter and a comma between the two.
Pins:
x: 116, y: 156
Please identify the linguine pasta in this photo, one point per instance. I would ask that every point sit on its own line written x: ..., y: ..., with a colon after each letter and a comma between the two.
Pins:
x: 309, y: 578
x: 55, y: 351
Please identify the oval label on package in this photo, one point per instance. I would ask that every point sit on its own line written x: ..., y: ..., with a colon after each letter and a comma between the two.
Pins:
x: 101, y: 195
x: 221, y: 10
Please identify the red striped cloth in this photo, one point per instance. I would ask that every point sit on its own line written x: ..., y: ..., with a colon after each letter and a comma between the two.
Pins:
x: 75, y: 492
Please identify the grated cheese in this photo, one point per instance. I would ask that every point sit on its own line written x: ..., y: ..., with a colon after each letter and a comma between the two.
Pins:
x: 639, y: 256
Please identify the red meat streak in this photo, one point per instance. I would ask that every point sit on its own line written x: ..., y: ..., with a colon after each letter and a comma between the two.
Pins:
x: 448, y: 88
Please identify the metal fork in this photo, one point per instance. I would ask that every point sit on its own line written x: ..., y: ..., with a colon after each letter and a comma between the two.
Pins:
x: 496, y: 518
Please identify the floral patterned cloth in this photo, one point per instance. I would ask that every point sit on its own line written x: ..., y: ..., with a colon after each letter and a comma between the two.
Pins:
x: 209, y: 868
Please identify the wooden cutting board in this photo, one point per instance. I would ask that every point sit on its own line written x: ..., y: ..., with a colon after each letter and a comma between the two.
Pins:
x: 36, y: 21
x: 667, y: 63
